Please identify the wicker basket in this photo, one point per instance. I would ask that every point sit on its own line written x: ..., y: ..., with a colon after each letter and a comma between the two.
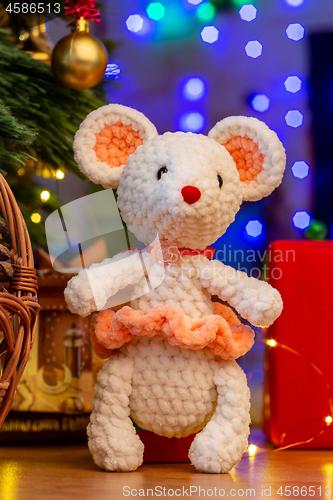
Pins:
x: 18, y: 306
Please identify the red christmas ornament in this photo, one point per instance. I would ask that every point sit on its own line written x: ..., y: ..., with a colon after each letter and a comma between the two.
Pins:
x: 82, y: 8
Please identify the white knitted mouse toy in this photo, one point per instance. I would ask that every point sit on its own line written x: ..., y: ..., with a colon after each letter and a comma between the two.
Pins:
x: 171, y: 366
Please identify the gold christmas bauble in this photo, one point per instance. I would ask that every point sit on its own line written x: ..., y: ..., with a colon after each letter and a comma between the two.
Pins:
x: 79, y: 60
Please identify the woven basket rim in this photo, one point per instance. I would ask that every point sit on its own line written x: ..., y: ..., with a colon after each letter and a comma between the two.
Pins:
x: 18, y: 307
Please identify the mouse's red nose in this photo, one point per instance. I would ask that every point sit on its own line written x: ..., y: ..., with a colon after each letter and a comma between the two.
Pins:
x: 190, y: 194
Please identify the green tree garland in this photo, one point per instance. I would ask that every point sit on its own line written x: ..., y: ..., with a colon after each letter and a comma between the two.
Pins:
x: 38, y: 119
x: 13, y: 135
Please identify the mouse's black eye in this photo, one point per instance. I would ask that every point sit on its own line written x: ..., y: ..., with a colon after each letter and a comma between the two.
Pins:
x: 161, y: 171
x: 219, y: 178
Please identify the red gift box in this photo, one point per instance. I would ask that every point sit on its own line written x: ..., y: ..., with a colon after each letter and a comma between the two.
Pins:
x: 163, y: 449
x: 299, y: 369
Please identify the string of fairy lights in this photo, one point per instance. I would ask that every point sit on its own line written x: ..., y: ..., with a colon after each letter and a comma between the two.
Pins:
x: 45, y: 196
x: 326, y: 420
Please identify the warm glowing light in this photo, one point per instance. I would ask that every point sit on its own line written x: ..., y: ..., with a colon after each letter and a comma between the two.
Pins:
x: 46, y: 173
x: 271, y: 342
x: 328, y: 471
x: 36, y: 218
x: 10, y: 473
x: 59, y: 174
x: 44, y: 195
x: 252, y: 449
x: 328, y: 420
x: 21, y: 171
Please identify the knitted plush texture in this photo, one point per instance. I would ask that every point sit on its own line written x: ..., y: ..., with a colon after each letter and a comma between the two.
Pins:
x: 86, y: 140
x: 186, y: 286
x: 111, y: 330
x: 172, y: 367
x: 270, y: 156
x: 172, y: 392
x: 152, y: 206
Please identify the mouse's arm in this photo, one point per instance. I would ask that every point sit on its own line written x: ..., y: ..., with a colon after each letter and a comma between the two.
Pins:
x: 90, y: 289
x: 253, y: 299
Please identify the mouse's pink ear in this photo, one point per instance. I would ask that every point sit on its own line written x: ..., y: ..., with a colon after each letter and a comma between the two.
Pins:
x: 105, y: 140
x: 257, y: 152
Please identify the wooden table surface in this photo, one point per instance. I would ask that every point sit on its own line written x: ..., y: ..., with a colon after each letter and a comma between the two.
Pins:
x: 66, y: 471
